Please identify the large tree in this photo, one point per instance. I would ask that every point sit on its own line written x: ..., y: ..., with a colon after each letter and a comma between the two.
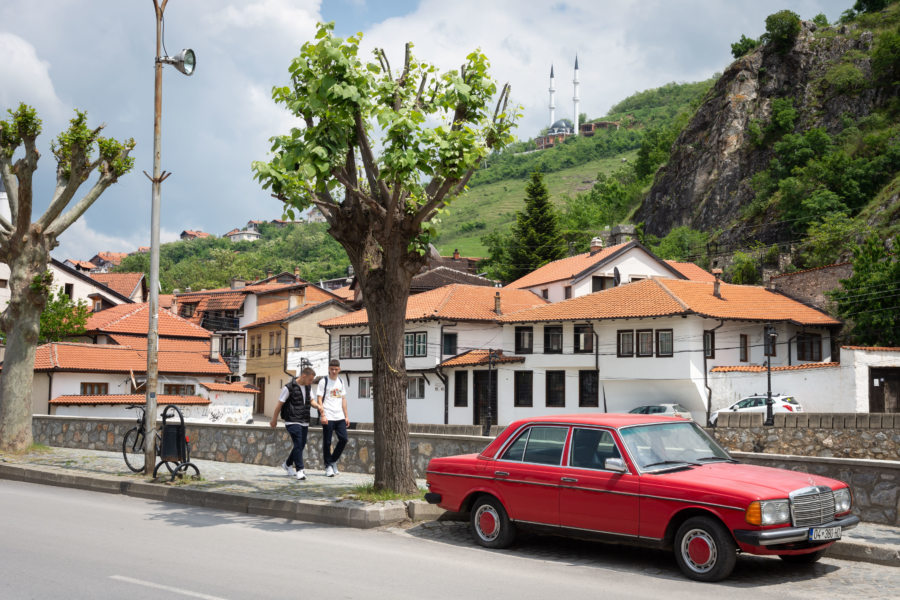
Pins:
x: 534, y: 239
x: 25, y: 245
x: 380, y: 153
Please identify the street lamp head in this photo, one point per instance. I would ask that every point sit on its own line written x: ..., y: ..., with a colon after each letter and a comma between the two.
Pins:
x: 185, y: 61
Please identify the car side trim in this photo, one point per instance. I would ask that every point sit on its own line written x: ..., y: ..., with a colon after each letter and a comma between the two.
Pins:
x: 586, y: 530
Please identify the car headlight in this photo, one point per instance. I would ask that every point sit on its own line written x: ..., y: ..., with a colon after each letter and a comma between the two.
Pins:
x: 769, y: 512
x: 842, y: 500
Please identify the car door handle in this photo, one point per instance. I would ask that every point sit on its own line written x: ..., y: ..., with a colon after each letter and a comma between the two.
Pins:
x: 568, y: 479
x: 501, y: 474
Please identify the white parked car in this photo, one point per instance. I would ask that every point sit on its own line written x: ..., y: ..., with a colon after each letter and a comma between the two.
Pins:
x: 667, y: 410
x: 757, y: 403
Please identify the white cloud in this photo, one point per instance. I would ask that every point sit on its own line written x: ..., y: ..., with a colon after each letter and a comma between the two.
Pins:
x: 25, y: 78
x: 282, y: 16
x: 81, y: 242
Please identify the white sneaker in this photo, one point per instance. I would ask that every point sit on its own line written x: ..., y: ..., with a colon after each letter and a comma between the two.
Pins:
x: 329, y: 471
x: 300, y: 475
x: 290, y: 470
x: 335, y: 469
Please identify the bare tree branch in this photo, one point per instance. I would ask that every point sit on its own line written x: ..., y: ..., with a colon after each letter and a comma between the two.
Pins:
x: 385, y: 64
x: 63, y: 222
x: 12, y: 187
x: 67, y: 185
x: 376, y: 186
x: 437, y: 201
x: 398, y: 95
x: 418, y: 102
x: 24, y: 169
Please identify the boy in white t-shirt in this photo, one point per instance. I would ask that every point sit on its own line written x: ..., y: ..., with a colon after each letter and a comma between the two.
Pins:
x: 332, y: 406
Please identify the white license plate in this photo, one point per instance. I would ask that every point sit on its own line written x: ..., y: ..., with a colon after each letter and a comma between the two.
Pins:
x: 820, y: 534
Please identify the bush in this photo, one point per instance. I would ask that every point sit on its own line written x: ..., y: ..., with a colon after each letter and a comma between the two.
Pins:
x: 886, y: 58
x: 782, y: 29
x: 745, y: 269
x: 744, y: 46
x: 821, y: 20
x: 845, y: 78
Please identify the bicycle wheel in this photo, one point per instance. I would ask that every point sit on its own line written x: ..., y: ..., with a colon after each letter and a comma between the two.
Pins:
x: 133, y: 449
x: 186, y: 470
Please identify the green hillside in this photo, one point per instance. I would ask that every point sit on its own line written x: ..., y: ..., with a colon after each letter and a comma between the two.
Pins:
x: 492, y: 206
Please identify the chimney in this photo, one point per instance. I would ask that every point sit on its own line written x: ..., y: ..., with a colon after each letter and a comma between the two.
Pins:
x: 716, y: 292
x: 296, y: 272
x: 187, y: 290
x: 456, y: 254
x: 237, y: 283
x: 268, y: 273
x: 215, y: 342
x: 497, y: 303
x: 596, y: 245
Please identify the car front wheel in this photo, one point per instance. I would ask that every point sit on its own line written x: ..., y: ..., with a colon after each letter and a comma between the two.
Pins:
x: 490, y: 524
x: 704, y: 549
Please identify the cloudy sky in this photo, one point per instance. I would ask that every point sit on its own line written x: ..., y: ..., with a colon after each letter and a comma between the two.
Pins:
x: 98, y: 56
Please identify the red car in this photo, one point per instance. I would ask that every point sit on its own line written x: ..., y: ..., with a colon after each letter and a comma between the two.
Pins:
x: 649, y: 480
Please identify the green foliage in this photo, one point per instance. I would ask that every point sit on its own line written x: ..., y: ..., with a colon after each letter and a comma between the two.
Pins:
x: 534, y: 240
x: 62, y: 318
x: 682, y: 244
x: 209, y: 263
x: 782, y: 29
x: 606, y: 204
x: 821, y: 20
x: 74, y: 149
x: 828, y: 238
x: 866, y: 6
x: 845, y: 78
x: 743, y: 46
x: 23, y: 124
x: 886, y: 58
x: 745, y: 269
x: 870, y: 299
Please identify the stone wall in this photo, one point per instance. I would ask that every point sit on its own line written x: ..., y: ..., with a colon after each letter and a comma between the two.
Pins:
x: 875, y: 483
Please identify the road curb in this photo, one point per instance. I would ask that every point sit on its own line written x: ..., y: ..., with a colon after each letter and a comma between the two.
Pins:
x: 862, y: 552
x: 345, y: 513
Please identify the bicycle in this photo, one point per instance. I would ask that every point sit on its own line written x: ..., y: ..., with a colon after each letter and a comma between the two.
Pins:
x: 133, y: 450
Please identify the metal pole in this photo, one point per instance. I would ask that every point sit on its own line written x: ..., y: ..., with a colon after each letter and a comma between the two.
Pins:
x: 770, y: 336
x: 153, y: 309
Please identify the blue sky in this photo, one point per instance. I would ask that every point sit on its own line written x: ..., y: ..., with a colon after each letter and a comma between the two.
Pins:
x: 58, y: 55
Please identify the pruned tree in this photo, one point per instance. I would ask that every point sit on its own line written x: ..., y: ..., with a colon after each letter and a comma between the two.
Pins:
x: 380, y: 153
x: 25, y: 245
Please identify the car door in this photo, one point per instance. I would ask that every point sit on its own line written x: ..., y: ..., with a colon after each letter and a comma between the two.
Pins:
x: 592, y: 497
x: 527, y: 474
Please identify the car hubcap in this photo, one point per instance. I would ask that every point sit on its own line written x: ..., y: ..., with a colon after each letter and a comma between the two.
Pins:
x: 699, y: 550
x: 488, y: 522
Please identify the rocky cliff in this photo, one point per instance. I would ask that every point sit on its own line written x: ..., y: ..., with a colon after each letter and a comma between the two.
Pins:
x: 706, y: 182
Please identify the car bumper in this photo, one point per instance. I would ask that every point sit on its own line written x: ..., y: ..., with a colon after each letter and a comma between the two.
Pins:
x: 787, y: 535
x: 432, y: 498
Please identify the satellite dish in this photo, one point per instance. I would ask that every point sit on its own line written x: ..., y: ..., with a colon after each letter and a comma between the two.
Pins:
x: 617, y: 277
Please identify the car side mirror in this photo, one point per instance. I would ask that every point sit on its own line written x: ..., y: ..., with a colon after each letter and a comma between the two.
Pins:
x: 615, y: 464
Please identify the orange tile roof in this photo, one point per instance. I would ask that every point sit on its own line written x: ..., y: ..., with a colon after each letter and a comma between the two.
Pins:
x: 691, y: 271
x: 133, y: 318
x: 113, y: 257
x: 84, y: 264
x: 480, y: 357
x: 872, y: 348
x: 238, y: 386
x: 283, y: 315
x: 565, y: 268
x: 344, y: 293
x: 199, y: 234
x: 109, y: 358
x: 139, y: 342
x: 455, y: 302
x: 124, y: 283
x: 762, y: 369
x: 70, y: 400
x: 165, y: 300
x: 659, y: 297
x: 225, y: 301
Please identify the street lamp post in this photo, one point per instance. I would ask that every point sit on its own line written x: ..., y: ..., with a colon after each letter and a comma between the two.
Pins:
x: 184, y: 62
x: 771, y: 336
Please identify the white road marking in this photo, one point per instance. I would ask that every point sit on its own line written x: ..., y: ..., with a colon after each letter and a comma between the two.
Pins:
x: 166, y: 588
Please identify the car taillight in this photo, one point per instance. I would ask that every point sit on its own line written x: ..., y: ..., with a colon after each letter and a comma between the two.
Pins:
x: 789, y: 407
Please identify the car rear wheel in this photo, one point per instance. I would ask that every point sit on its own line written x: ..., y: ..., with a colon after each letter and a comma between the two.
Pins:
x: 490, y: 524
x: 802, y: 559
x: 704, y: 549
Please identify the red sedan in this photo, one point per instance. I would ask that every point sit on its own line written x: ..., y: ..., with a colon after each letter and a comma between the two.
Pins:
x: 654, y: 481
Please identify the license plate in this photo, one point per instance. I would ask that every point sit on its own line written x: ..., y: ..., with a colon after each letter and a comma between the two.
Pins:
x: 820, y: 534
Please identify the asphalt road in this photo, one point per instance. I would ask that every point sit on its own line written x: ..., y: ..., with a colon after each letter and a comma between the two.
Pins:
x: 65, y: 543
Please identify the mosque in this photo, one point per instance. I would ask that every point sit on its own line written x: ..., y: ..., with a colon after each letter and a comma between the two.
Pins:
x: 560, y: 129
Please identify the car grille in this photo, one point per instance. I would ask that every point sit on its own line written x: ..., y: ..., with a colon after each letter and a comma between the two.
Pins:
x: 812, y: 506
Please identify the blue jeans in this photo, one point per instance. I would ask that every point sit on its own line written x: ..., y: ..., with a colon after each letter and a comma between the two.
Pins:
x: 298, y: 435
x: 339, y: 428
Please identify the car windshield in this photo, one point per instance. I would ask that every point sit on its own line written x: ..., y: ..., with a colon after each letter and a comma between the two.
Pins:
x: 664, y: 446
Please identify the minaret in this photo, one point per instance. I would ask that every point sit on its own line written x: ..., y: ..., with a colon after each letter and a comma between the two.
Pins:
x: 552, y: 99
x: 575, y: 99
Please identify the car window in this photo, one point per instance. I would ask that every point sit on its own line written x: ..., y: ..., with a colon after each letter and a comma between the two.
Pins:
x: 545, y: 445
x: 517, y: 448
x: 746, y: 402
x: 656, y: 410
x: 758, y: 402
x: 640, y: 410
x: 790, y: 400
x: 680, y: 408
x: 591, y: 448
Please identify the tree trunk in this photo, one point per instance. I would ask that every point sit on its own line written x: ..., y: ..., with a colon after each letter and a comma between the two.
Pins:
x: 23, y: 322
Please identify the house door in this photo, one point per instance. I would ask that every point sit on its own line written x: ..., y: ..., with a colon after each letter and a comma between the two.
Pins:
x: 884, y: 390
x: 485, y: 397
x: 260, y: 407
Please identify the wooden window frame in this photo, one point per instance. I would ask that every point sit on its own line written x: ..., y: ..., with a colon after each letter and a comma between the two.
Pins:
x: 586, y: 398
x: 744, y: 348
x: 94, y: 388
x: 561, y: 375
x: 619, y: 346
x: 461, y: 389
x: 585, y: 330
x: 659, y: 352
x: 523, y: 391
x: 551, y: 330
x: 709, y: 343
x: 637, y: 346
x: 521, y: 348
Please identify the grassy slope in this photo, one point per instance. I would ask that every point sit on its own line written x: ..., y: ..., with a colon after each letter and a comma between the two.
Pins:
x: 495, y: 204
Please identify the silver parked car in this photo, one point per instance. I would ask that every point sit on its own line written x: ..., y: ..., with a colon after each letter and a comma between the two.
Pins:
x: 757, y: 403
x: 667, y: 410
